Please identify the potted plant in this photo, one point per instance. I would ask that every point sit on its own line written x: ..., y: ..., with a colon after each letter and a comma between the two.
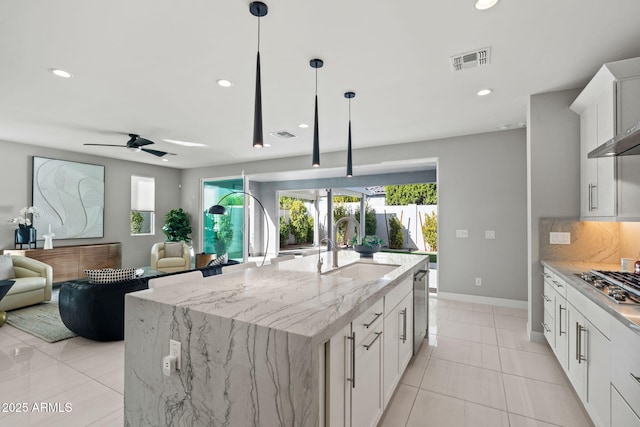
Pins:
x: 177, y: 227
x: 369, y: 246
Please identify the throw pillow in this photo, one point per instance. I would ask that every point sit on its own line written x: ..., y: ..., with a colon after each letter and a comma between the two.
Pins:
x: 173, y: 250
x: 6, y: 267
x: 221, y: 260
x: 110, y: 275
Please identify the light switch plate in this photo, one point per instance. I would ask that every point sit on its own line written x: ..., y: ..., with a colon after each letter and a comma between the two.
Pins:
x: 558, y: 238
x: 490, y: 234
x: 463, y: 234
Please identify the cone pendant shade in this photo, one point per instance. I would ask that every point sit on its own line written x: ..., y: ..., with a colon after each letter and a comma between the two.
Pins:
x: 316, y: 139
x: 316, y: 63
x: 258, y: 9
x: 257, y: 114
x: 349, y: 96
x: 349, y: 159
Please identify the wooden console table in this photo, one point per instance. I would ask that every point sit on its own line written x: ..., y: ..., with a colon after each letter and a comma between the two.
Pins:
x: 69, y: 262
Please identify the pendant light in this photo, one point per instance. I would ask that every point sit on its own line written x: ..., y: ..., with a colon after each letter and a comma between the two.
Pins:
x: 316, y: 63
x: 259, y: 9
x: 349, y: 96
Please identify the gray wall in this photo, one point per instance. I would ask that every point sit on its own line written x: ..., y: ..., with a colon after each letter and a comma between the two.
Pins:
x: 482, y: 186
x: 553, y: 165
x: 15, y: 174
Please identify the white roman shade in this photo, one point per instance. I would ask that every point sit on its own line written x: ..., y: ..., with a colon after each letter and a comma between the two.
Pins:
x: 143, y: 193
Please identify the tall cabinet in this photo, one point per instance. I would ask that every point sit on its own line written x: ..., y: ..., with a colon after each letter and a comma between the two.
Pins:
x: 609, y: 105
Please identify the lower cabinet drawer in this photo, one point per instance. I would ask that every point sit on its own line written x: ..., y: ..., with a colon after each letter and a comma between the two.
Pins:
x: 625, y: 372
x: 364, y: 324
x: 547, y: 326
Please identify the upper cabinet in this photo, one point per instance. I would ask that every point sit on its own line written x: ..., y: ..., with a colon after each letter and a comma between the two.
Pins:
x: 608, y: 106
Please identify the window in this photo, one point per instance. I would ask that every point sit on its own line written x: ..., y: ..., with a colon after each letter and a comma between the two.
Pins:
x: 143, y: 205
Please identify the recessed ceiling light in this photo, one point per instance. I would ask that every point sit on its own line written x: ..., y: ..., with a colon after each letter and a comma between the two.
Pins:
x: 484, y: 92
x: 224, y: 83
x: 485, y: 4
x: 522, y: 124
x: 184, y: 143
x: 303, y: 125
x: 61, y: 73
x: 165, y: 160
x: 266, y: 145
x: 504, y: 127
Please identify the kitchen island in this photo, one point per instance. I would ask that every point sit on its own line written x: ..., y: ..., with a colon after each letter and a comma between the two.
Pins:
x: 252, y: 341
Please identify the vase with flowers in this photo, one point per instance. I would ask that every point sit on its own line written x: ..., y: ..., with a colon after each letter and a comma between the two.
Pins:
x: 25, y: 234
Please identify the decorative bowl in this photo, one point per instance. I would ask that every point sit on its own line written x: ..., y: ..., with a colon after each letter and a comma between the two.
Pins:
x: 366, y: 251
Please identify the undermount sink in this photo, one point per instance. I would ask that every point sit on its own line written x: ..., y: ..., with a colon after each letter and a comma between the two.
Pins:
x: 363, y: 270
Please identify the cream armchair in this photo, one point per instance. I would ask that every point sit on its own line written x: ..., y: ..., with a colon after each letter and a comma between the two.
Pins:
x: 160, y: 262
x: 33, y: 283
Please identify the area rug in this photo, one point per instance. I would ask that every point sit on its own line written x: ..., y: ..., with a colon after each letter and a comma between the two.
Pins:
x: 40, y: 320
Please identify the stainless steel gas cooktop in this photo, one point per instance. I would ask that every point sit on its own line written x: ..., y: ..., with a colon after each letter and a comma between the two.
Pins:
x: 621, y: 287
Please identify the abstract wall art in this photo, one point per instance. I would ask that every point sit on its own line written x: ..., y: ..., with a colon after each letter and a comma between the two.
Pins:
x: 69, y: 197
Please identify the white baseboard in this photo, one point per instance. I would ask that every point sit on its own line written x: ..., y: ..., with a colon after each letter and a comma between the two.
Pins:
x: 536, y: 336
x: 511, y: 303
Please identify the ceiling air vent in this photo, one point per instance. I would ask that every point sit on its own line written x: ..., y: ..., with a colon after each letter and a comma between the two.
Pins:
x: 476, y: 58
x: 282, y: 134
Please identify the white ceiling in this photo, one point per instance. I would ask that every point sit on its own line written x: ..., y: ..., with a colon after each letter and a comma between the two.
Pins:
x: 150, y: 67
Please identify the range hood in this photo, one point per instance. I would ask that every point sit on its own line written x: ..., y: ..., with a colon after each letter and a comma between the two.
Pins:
x: 624, y: 144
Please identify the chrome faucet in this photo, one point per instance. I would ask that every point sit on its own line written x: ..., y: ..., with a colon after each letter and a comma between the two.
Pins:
x: 320, y: 252
x: 335, y: 236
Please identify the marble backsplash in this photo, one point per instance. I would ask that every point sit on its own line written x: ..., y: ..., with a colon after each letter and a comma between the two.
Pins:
x: 591, y: 241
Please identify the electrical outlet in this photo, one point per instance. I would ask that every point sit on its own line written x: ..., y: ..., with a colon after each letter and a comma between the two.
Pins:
x: 490, y: 234
x: 175, y: 349
x: 463, y: 234
x: 557, y: 238
x: 478, y: 281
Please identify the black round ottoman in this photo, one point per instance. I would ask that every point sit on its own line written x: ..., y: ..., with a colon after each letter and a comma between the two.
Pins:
x: 96, y: 311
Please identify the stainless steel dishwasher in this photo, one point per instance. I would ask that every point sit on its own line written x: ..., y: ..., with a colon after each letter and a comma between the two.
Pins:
x: 420, y: 308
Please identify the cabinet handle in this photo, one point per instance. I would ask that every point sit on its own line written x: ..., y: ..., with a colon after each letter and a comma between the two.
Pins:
x: 367, y: 346
x: 557, y: 284
x: 403, y: 337
x: 560, y: 320
x: 352, y: 337
x: 545, y: 275
x: 545, y: 327
x: 579, y: 329
x: 546, y: 298
x: 367, y: 325
x: 592, y: 205
x: 634, y: 377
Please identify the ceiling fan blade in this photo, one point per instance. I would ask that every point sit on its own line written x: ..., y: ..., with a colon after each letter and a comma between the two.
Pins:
x: 108, y: 145
x: 155, y: 152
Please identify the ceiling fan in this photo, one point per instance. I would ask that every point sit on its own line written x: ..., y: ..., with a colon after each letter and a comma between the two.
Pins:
x: 136, y: 143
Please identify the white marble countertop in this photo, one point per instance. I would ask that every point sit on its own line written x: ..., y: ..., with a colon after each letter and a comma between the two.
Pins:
x: 625, y: 313
x: 289, y: 296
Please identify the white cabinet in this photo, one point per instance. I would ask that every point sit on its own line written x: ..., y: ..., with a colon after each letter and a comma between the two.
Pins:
x: 354, y: 371
x: 621, y: 413
x: 625, y: 372
x: 577, y: 330
x: 609, y: 105
x: 398, y: 343
x: 366, y: 387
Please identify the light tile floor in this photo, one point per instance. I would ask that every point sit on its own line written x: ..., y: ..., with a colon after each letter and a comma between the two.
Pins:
x: 478, y: 369
x: 80, y: 382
